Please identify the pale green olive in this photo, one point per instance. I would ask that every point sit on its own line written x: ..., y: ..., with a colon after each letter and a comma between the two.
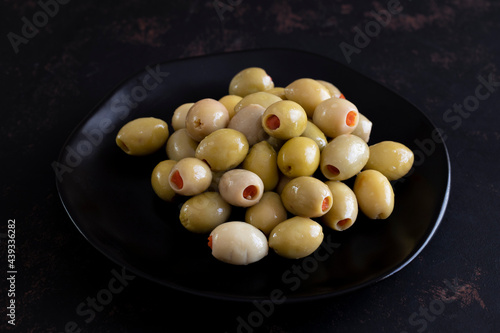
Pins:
x: 308, y: 93
x: 336, y: 116
x: 313, y: 132
x: 206, y: 116
x: 374, y: 194
x: 267, y: 213
x: 159, y: 180
x: 181, y: 145
x: 142, y: 136
x: 284, y: 120
x: 238, y: 243
x: 179, y: 116
x: 333, y: 90
x: 249, y: 122
x: 203, y: 212
x: 364, y: 128
x: 283, y: 180
x: 261, y: 160
x: 190, y: 176
x: 307, y: 197
x: 296, y: 237
x: 278, y: 91
x: 299, y: 156
x: 230, y: 101
x: 250, y: 80
x: 344, y: 210
x: 223, y: 149
x: 392, y: 159
x: 261, y: 98
x: 344, y: 157
x: 241, y: 188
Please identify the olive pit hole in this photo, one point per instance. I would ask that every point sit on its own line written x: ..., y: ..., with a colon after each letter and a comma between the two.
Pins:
x: 177, y: 180
x: 334, y: 171
x: 250, y: 192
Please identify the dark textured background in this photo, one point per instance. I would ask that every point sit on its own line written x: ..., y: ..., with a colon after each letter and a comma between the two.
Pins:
x: 431, y: 53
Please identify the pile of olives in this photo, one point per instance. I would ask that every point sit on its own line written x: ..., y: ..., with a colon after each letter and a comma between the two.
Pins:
x: 280, y: 153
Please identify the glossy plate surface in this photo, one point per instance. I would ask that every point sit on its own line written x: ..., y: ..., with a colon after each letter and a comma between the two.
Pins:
x: 108, y: 194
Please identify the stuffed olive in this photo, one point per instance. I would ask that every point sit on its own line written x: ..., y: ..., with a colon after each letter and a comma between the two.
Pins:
x: 179, y: 116
x: 299, y: 156
x: 374, y: 194
x: 267, y: 213
x: 190, y: 176
x: 344, y: 210
x: 313, y: 132
x: 230, y: 101
x: 248, y: 121
x: 284, y: 120
x: 307, y: 197
x: 296, y: 237
x: 205, y: 117
x: 333, y: 90
x: 308, y: 93
x: 261, y: 98
x: 238, y: 243
x: 250, y: 80
x: 142, y: 136
x: 159, y: 180
x: 241, y: 188
x: 203, y: 212
x: 344, y: 157
x: 223, y: 149
x: 364, y: 128
x: 392, y: 159
x: 336, y: 116
x: 181, y: 145
x: 261, y: 160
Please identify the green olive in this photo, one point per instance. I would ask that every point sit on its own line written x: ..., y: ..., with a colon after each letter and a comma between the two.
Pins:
x: 159, y: 180
x: 230, y: 101
x: 374, y: 194
x: 249, y: 122
x: 203, y: 212
x: 313, y: 132
x: 142, y: 136
x: 180, y: 145
x: 190, y: 176
x: 261, y: 159
x: 223, y: 149
x: 278, y: 91
x: 241, y: 188
x: 299, y: 156
x: 307, y: 197
x: 261, y: 98
x: 284, y: 120
x: 308, y: 93
x: 333, y: 90
x: 336, y: 116
x: 392, y: 159
x: 267, y: 213
x: 344, y: 157
x: 250, y: 80
x: 205, y: 117
x: 296, y: 237
x: 179, y: 117
x: 364, y: 128
x: 344, y: 210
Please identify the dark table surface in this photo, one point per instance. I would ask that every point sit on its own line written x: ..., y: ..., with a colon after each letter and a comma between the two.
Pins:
x: 435, y: 54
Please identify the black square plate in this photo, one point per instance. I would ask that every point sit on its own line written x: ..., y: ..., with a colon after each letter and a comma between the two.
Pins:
x: 108, y: 194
